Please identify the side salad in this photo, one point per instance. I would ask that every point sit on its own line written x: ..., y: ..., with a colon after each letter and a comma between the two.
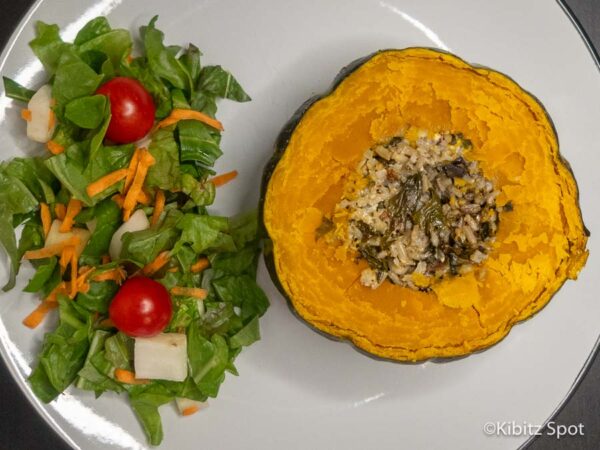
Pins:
x: 155, y: 296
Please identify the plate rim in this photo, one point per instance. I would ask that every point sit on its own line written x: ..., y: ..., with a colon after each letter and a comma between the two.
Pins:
x: 60, y: 431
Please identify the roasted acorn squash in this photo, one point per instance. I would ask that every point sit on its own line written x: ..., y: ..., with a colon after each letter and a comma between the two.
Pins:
x: 539, y: 245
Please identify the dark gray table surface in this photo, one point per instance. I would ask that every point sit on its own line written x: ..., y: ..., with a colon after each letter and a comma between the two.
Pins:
x: 22, y: 428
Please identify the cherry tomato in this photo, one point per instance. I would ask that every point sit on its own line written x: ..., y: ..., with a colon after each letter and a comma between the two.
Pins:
x: 141, y: 308
x: 131, y: 107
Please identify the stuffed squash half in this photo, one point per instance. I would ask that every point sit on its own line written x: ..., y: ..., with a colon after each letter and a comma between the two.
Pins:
x: 420, y: 208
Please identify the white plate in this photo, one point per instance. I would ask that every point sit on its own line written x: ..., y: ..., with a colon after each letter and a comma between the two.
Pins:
x: 298, y: 389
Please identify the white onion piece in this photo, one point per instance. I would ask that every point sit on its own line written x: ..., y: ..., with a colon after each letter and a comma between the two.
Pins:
x: 41, y: 126
x: 187, y: 406
x: 137, y: 222
x: 161, y: 357
x: 56, y: 237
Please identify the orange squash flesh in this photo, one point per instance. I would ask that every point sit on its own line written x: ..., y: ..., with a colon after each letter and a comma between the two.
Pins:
x: 539, y: 245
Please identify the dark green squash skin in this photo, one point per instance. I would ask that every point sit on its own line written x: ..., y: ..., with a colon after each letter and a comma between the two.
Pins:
x: 281, y: 144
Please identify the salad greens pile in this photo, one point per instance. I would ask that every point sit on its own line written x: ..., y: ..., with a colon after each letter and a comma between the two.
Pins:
x: 85, y: 349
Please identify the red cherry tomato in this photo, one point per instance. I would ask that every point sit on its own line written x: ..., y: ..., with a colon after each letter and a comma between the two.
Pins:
x: 141, y: 308
x: 131, y: 107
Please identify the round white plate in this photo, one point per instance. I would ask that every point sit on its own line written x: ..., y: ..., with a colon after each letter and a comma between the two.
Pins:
x: 297, y: 389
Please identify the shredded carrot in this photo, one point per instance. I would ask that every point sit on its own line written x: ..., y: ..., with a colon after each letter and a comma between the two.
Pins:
x: 60, y: 210
x: 38, y: 314
x: 189, y: 114
x: 106, y: 323
x: 54, y: 147
x: 224, y: 178
x: 159, y: 206
x: 118, y: 199
x: 73, y: 208
x: 26, y: 114
x: 65, y: 258
x: 126, y: 214
x: 51, y: 120
x: 189, y: 292
x: 74, y: 278
x: 82, y: 284
x: 173, y: 270
x: 117, y: 275
x: 128, y: 377
x: 46, y: 218
x: 61, y: 288
x: 83, y: 287
x: 131, y: 169
x: 200, y: 265
x: 105, y: 182
x: 85, y: 271
x: 129, y: 58
x: 52, y: 250
x: 190, y: 410
x: 157, y: 264
x: 105, y: 259
x: 146, y: 160
x: 144, y: 198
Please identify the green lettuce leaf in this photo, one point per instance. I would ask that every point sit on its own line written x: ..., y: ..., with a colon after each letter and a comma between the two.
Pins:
x: 115, y: 44
x: 185, y: 311
x: 108, y: 218
x: 98, y: 296
x: 119, y: 351
x: 35, y: 176
x: 198, y: 142
x: 104, y: 160
x: 145, y: 400
x: 68, y: 167
x: 161, y: 61
x: 242, y: 291
x: 236, y: 263
x: 63, y: 353
x: 73, y: 79
x: 202, y: 193
x: 165, y: 173
x: 207, y: 359
x: 32, y: 237
x: 86, y: 112
x: 9, y: 243
x: 247, y: 335
x: 141, y: 247
x: 15, y: 199
x: 14, y: 90
x: 219, y: 82
x: 42, y: 275
x: 204, y: 102
x: 89, y: 378
x: 94, y: 28
x: 205, y: 233
x: 244, y: 227
x: 48, y: 46
x: 191, y: 61
x: 220, y: 318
